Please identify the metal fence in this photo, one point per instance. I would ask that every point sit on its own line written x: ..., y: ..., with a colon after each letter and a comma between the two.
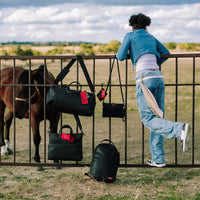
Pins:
x: 126, y: 141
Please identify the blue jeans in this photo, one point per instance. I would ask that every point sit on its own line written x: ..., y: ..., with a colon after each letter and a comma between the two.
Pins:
x: 158, y: 127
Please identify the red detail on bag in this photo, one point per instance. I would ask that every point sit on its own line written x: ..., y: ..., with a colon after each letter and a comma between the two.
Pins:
x: 67, y: 137
x: 103, y: 93
x: 84, y: 98
x: 110, y: 178
x: 113, y: 105
x: 152, y: 69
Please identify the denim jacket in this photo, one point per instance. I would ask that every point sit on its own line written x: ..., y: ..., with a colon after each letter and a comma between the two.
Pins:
x: 140, y: 42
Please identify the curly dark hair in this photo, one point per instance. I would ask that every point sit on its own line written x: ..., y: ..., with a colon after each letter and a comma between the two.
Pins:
x: 139, y: 21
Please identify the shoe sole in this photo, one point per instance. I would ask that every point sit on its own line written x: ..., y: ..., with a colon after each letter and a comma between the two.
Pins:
x: 153, y: 165
x: 187, y: 139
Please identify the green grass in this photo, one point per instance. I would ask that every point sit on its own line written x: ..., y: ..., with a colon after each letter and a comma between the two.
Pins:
x: 71, y: 183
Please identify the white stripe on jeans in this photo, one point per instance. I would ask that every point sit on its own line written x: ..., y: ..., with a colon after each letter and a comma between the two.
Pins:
x: 148, y: 77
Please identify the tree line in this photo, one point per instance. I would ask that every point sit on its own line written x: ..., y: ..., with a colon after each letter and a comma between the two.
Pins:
x: 85, y: 48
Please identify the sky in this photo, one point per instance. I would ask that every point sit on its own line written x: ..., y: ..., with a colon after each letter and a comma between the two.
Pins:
x: 99, y: 21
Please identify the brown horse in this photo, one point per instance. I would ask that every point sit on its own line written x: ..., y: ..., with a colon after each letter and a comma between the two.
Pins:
x: 22, y: 98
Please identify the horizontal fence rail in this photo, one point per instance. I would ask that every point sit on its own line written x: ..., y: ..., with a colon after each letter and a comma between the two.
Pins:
x: 181, y: 74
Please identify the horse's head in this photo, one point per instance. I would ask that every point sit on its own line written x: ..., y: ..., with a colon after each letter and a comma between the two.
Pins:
x: 27, y: 91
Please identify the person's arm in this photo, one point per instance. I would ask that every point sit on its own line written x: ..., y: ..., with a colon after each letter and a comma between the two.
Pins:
x: 163, y: 51
x: 123, y: 50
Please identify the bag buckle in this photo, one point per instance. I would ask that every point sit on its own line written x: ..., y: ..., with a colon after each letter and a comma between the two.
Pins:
x: 101, y: 94
x: 67, y: 137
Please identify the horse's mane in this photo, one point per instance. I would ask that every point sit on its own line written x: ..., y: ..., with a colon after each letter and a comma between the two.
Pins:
x: 41, y: 68
x: 23, y: 78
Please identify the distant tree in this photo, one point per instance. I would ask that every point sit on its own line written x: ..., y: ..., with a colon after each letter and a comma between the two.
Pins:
x: 190, y: 46
x: 112, y: 46
x: 86, y: 49
x: 28, y: 52
x: 19, y: 51
x: 55, y: 51
x: 171, y: 45
x: 4, y: 52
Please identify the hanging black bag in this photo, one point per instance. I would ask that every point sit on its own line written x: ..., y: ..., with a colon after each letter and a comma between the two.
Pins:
x: 64, y: 99
x: 105, y: 162
x: 71, y: 101
x: 114, y: 109
x: 66, y: 146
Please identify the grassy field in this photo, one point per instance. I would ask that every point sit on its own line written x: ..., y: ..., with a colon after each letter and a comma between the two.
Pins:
x: 132, y: 183
x: 71, y: 183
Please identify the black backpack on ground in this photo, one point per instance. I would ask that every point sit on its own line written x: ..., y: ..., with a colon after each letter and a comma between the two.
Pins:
x: 105, y: 162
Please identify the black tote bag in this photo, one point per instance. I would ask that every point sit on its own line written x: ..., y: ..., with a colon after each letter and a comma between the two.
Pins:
x: 71, y: 101
x: 64, y: 146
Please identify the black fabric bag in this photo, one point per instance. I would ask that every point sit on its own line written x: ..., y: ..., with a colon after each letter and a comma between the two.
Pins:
x: 70, y: 101
x: 64, y: 146
x: 105, y: 162
x: 114, y: 109
x: 64, y: 99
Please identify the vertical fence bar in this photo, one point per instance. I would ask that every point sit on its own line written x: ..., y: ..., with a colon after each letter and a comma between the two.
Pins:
x: 93, y: 117
x: 45, y: 131
x: 126, y: 88
x: 142, y: 144
x: 14, y: 119
x: 193, y: 110
x: 61, y: 115
x: 77, y: 78
x: 0, y: 94
x: 29, y: 104
x: 110, y: 101
x: 176, y: 106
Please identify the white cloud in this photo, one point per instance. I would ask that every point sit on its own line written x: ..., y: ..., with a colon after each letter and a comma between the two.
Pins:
x: 69, y: 22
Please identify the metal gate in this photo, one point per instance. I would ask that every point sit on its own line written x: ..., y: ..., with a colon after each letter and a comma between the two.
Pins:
x: 181, y: 74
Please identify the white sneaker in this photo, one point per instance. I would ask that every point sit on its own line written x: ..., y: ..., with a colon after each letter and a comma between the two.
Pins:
x: 185, y: 137
x: 154, y: 164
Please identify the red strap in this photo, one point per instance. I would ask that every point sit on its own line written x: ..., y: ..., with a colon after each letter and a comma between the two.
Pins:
x: 103, y: 93
x: 84, y: 98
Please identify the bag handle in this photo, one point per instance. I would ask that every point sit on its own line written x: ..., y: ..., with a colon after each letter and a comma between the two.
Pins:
x: 107, y: 140
x: 109, y: 80
x: 79, y: 123
x: 66, y: 126
x: 76, y: 83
